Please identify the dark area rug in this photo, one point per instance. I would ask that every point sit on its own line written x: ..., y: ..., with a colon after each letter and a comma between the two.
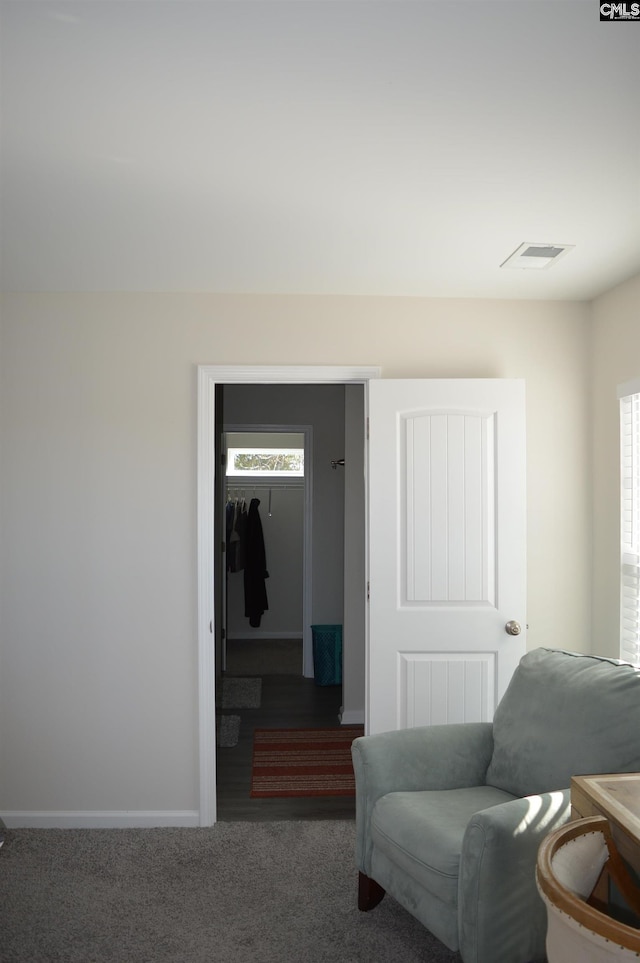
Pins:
x: 303, y: 762
x: 227, y: 731
x: 241, y: 693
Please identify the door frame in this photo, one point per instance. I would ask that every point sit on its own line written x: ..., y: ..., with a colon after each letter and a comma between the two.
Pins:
x: 208, y: 377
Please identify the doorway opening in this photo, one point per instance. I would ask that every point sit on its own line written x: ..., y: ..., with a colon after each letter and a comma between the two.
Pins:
x: 352, y: 577
x: 283, y: 476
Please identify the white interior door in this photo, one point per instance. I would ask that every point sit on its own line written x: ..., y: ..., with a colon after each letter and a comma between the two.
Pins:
x: 447, y: 549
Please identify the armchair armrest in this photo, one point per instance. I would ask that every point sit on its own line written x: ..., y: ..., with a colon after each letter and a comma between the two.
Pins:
x: 500, y: 914
x: 408, y: 760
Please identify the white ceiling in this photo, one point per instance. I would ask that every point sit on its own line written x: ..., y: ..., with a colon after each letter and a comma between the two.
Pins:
x: 333, y: 147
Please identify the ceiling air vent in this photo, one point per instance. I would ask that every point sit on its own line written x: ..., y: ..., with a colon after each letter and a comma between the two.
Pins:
x: 536, y: 256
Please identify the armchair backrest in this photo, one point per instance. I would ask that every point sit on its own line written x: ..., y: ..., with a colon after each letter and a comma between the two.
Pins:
x: 565, y: 714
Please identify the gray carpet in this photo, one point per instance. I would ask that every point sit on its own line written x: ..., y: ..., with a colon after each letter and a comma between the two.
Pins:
x: 235, y: 893
x: 264, y: 656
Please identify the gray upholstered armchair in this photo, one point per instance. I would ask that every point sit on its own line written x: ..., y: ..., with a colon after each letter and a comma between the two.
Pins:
x: 449, y: 818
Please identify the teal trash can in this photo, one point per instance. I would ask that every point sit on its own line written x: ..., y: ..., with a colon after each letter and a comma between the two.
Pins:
x: 327, y: 654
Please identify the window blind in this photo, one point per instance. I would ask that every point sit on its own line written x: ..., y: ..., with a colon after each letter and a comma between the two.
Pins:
x: 630, y: 522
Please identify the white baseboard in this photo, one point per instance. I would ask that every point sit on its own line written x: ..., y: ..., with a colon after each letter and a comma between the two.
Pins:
x: 352, y: 717
x: 237, y: 636
x: 111, y: 819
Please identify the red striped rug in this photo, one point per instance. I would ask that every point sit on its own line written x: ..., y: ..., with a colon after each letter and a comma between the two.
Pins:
x: 303, y: 762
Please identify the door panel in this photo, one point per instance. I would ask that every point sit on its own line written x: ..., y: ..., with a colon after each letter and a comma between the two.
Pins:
x: 447, y: 548
x: 438, y: 688
x: 447, y: 529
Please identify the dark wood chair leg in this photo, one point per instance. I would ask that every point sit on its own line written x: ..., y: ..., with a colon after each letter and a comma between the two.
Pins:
x: 370, y: 893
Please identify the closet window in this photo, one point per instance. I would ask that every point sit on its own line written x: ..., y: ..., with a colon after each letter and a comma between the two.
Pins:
x: 629, y: 395
x: 270, y: 462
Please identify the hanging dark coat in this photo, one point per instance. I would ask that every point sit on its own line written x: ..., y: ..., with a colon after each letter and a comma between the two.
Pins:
x: 255, y: 567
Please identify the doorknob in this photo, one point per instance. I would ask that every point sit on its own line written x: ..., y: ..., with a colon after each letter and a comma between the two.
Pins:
x: 513, y: 628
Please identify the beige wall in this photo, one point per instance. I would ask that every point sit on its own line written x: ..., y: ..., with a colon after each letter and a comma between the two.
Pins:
x: 616, y: 359
x: 98, y: 697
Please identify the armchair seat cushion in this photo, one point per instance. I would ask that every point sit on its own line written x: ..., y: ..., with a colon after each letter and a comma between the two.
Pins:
x: 422, y: 832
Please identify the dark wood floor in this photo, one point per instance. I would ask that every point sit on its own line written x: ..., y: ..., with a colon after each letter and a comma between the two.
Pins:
x: 288, y: 701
